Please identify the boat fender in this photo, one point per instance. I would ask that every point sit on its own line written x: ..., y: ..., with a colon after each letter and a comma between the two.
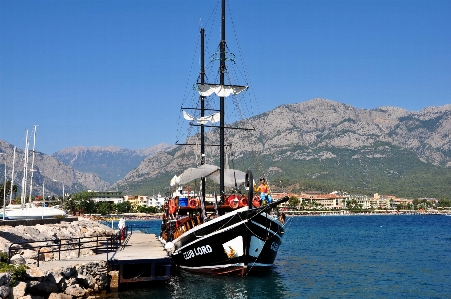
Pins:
x: 169, y: 246
x: 193, y: 203
x: 256, y: 201
x: 233, y: 201
x: 243, y: 202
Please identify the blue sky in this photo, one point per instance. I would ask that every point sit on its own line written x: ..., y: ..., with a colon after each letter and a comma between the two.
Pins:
x: 101, y: 73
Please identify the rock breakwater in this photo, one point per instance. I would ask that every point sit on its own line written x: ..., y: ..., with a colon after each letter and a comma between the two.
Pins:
x: 78, y: 280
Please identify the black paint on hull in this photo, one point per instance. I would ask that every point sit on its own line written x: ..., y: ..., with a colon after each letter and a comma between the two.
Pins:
x: 235, y: 243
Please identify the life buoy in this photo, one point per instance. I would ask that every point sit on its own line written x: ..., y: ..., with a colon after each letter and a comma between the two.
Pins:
x: 171, y: 206
x: 256, y: 201
x: 193, y: 203
x: 233, y: 201
x: 243, y: 202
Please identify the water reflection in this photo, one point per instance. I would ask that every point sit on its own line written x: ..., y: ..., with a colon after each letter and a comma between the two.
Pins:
x: 189, y: 285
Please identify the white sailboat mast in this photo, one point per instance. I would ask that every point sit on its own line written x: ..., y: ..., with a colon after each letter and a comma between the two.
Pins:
x: 12, y: 177
x: 32, y: 163
x: 25, y: 172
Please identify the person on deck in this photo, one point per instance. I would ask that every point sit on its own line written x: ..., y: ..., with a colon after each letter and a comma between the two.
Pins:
x: 264, y: 190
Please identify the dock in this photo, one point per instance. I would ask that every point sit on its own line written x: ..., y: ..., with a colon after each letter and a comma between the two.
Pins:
x: 141, y: 257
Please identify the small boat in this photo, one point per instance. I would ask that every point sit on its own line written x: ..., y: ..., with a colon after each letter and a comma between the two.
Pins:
x: 232, y: 234
x: 34, y: 213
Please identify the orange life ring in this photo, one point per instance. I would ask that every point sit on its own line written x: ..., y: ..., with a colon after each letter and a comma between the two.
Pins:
x: 243, y: 202
x: 193, y: 203
x: 171, y: 206
x: 256, y: 201
x: 233, y: 201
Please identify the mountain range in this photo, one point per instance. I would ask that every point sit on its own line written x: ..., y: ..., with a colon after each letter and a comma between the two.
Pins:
x: 110, y: 163
x: 77, y: 168
x: 325, y: 145
x: 314, y: 145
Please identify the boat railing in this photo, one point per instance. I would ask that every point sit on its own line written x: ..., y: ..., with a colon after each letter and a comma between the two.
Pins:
x: 99, y: 244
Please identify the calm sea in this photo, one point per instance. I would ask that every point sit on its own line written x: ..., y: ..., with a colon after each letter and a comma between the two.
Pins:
x: 384, y: 256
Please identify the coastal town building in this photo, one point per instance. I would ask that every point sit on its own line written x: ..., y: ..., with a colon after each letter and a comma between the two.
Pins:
x: 144, y: 200
x: 363, y: 201
x: 156, y: 201
x: 112, y: 197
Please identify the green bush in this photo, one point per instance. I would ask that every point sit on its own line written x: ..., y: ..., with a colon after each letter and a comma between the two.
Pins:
x: 17, y: 271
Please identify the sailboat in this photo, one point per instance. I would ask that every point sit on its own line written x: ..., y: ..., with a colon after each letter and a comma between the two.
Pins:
x: 233, y: 233
x: 26, y: 210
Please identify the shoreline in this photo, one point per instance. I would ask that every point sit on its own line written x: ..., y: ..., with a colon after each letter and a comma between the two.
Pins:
x: 287, y: 213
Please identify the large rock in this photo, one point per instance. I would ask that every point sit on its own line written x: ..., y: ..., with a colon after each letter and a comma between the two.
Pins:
x: 5, y: 290
x: 40, y: 287
x: 59, y: 296
x: 18, y: 260
x: 19, y: 290
x: 5, y: 278
x: 75, y: 291
x: 34, y: 274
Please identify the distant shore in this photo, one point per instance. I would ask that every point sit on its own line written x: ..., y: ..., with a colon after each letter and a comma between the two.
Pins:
x: 380, y: 212
x: 146, y: 217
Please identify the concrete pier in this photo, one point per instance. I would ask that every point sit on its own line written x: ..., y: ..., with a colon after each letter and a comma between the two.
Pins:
x: 141, y: 257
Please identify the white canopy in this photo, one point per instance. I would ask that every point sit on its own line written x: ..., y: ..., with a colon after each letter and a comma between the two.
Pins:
x: 212, y: 172
x: 230, y: 175
x: 206, y: 90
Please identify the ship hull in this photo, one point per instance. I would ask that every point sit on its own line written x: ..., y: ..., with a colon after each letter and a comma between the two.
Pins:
x: 246, y: 240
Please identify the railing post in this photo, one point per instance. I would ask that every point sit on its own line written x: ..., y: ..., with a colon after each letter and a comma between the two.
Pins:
x: 59, y: 249
x: 79, y: 246
x: 39, y: 252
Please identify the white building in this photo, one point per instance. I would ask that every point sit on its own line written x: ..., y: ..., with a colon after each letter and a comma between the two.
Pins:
x: 113, y: 197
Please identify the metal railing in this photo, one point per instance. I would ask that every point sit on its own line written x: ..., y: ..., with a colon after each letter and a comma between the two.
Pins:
x: 98, y: 243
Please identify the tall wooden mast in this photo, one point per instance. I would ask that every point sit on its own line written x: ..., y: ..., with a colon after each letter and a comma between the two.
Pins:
x: 202, y: 114
x: 222, y: 70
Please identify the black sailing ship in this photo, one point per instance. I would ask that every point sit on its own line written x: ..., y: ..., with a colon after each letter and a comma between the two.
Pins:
x: 235, y: 234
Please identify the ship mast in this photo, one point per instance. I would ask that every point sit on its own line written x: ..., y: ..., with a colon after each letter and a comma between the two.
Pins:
x: 202, y: 114
x: 222, y: 69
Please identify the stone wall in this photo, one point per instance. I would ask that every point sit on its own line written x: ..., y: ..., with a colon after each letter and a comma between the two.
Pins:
x: 83, y: 280
x: 79, y: 281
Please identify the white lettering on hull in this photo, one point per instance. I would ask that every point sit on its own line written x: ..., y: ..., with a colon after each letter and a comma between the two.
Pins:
x: 197, y: 251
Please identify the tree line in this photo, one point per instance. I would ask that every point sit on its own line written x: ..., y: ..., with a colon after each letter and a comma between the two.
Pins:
x: 80, y: 203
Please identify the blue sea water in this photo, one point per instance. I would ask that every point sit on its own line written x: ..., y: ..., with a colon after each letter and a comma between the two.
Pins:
x: 386, y: 256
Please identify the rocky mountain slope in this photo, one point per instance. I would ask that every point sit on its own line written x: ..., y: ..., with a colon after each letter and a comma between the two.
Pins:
x: 50, y: 172
x: 324, y: 143
x: 317, y: 144
x: 110, y: 163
